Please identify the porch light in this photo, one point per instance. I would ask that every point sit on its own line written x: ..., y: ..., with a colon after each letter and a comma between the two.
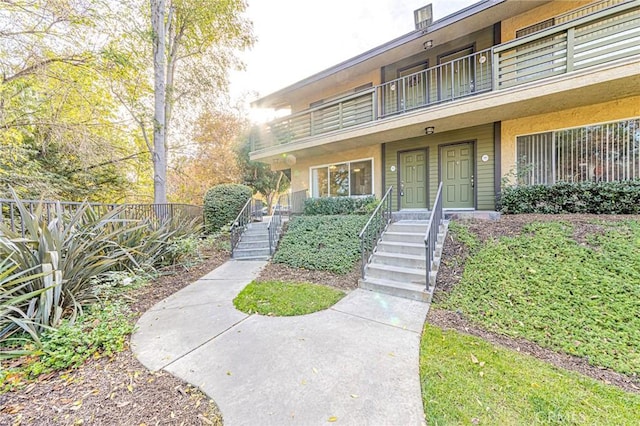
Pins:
x: 356, y: 170
x: 429, y: 130
x: 427, y: 44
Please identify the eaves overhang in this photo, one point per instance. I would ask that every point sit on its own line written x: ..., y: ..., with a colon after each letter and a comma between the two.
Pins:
x: 274, y: 99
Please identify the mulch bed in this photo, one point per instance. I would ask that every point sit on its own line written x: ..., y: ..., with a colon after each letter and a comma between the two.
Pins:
x: 119, y: 390
x: 450, y: 272
x: 280, y: 272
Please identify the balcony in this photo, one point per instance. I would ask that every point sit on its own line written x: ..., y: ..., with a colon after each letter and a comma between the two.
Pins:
x: 583, y: 42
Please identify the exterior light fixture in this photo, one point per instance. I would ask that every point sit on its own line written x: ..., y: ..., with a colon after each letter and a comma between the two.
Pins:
x: 429, y: 130
x: 427, y: 44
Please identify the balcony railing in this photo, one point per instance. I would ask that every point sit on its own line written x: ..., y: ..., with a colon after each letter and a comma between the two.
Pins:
x: 579, y: 42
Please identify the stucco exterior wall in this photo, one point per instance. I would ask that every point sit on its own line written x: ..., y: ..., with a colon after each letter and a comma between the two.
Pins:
x: 576, y: 117
x: 347, y: 82
x: 301, y: 169
x: 539, y: 14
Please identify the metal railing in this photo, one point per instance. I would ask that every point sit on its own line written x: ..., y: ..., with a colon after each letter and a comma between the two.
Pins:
x: 601, y: 37
x: 156, y: 213
x: 456, y: 79
x: 431, y: 236
x: 584, y: 38
x: 335, y: 115
x: 375, y: 226
x: 248, y: 214
x: 292, y: 203
x: 275, y: 225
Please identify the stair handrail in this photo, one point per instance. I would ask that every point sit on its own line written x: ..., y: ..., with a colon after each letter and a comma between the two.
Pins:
x: 431, y: 236
x: 239, y: 225
x: 372, y: 231
x: 275, y: 223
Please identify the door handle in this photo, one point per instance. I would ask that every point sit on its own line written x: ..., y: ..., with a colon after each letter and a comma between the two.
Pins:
x: 402, y: 189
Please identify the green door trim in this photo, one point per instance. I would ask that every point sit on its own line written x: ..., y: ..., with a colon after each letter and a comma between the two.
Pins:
x: 399, y: 175
x: 474, y: 149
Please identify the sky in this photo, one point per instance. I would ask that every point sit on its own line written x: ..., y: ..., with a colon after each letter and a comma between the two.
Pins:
x: 298, y: 38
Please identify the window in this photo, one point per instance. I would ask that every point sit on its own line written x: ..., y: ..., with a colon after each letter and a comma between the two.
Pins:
x: 347, y: 179
x: 602, y: 152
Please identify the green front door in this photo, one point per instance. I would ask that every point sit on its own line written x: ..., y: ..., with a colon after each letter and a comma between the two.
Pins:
x: 413, y: 179
x: 457, y: 176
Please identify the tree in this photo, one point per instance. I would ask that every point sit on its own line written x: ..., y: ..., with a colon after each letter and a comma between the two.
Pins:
x: 212, y: 161
x: 260, y: 177
x: 61, y: 135
x: 193, y: 44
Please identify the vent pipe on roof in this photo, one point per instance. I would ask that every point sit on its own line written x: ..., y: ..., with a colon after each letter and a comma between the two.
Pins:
x: 423, y: 17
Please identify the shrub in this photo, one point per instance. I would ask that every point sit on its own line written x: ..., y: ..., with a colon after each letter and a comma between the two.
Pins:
x: 339, y: 205
x: 584, y: 197
x: 327, y: 243
x: 222, y: 203
x: 56, y: 267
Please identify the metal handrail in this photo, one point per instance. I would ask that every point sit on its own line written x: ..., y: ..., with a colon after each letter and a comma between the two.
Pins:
x: 239, y: 225
x: 373, y: 229
x: 431, y: 237
x: 275, y: 224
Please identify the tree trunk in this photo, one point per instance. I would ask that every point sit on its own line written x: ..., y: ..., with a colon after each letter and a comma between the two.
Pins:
x: 159, y: 122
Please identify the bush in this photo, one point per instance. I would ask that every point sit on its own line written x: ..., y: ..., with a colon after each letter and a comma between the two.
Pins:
x: 339, y: 205
x: 326, y: 243
x: 222, y: 203
x: 584, y: 197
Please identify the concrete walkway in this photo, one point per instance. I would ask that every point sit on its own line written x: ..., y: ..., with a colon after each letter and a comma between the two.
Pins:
x: 357, y: 361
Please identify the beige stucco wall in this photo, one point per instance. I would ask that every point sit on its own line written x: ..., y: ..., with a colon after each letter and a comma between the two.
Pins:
x: 347, y: 83
x: 300, y: 170
x: 539, y: 14
x: 576, y: 117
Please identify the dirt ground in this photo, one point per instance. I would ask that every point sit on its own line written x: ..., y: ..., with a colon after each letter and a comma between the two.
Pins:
x: 118, y: 390
x: 451, y: 270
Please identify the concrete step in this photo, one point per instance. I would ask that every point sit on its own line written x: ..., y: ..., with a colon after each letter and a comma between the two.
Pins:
x: 250, y: 252
x: 253, y: 244
x: 396, y: 273
x: 397, y: 259
x: 252, y: 258
x: 395, y: 288
x: 415, y: 226
x: 402, y: 248
x: 255, y: 236
x: 403, y: 237
x: 258, y: 225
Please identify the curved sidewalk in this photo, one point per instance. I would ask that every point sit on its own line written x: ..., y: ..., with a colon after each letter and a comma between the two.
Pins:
x: 356, y: 362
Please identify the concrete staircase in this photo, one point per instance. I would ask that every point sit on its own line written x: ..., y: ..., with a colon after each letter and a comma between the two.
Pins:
x: 254, y: 243
x: 398, y: 266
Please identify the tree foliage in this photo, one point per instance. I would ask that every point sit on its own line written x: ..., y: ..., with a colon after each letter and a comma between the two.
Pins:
x: 260, y: 177
x: 76, y: 90
x: 213, y: 159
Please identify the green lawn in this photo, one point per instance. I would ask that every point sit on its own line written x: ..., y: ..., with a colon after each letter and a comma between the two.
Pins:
x: 544, y: 286
x: 285, y: 299
x: 466, y: 380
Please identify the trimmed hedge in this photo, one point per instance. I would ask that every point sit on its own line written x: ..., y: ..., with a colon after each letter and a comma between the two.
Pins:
x: 222, y: 203
x: 339, y: 205
x: 325, y: 243
x: 584, y: 197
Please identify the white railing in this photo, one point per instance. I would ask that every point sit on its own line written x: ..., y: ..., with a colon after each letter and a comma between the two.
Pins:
x: 459, y: 78
x: 593, y: 35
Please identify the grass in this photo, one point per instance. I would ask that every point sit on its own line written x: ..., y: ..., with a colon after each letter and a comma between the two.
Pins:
x: 547, y: 288
x: 285, y: 299
x: 466, y: 380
